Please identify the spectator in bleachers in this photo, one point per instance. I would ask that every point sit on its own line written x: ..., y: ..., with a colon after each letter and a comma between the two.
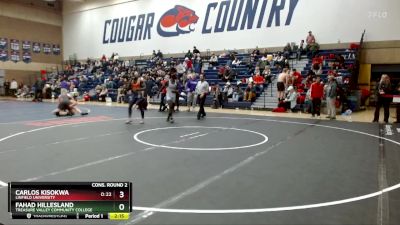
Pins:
x: 310, y: 39
x: 103, y: 94
x: 309, y: 80
x: 281, y: 83
x: 103, y: 58
x: 332, y: 73
x: 291, y: 99
x: 231, y: 58
x: 267, y: 75
x: 196, y: 52
x: 297, y: 78
x: 259, y: 81
x: 221, y: 71
x: 227, y: 91
x: 339, y: 61
x: 229, y: 74
x: 317, y: 69
x: 181, y: 69
x: 171, y: 62
x: 236, y: 62
x: 23, y: 92
x: 214, y: 60
x: 13, y: 87
x: 64, y: 84
x: 159, y: 55
x: 383, y: 89
x: 262, y: 63
x: 256, y: 52
x: 280, y: 60
x: 287, y: 50
x: 116, y: 57
x: 238, y: 93
x: 191, y: 91
x: 300, y: 50
x: 313, y: 49
x: 121, y: 94
x: 189, y: 54
x: 197, y: 64
x: 331, y: 94
x: 188, y: 64
x: 250, y: 93
x: 316, y: 93
x: 217, y: 96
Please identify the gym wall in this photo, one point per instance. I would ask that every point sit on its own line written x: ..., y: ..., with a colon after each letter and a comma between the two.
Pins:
x: 34, y: 24
x: 134, y: 28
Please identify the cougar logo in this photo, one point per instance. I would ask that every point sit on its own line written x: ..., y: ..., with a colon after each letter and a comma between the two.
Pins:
x: 176, y: 21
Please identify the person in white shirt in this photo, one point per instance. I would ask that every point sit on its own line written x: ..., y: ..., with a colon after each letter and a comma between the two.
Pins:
x: 13, y: 87
x: 172, y: 90
x: 202, y: 89
x: 291, y: 99
x: 214, y: 60
x: 236, y: 62
x: 181, y: 69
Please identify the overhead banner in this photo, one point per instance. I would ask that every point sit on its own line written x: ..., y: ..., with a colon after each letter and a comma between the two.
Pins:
x: 56, y: 49
x: 46, y: 49
x: 3, y: 55
x: 14, y: 45
x: 174, y: 26
x: 36, y: 47
x: 3, y: 43
x: 26, y: 46
x: 14, y: 56
x: 26, y: 57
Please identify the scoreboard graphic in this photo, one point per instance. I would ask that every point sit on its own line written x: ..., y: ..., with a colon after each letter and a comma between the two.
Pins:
x: 70, y: 200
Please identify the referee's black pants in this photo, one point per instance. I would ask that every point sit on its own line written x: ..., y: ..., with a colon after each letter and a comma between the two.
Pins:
x: 201, y: 112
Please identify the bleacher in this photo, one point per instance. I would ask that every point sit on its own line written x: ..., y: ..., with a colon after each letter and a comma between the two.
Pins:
x: 242, y: 71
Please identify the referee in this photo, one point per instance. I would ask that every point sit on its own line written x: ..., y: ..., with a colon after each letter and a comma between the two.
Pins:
x: 202, y: 89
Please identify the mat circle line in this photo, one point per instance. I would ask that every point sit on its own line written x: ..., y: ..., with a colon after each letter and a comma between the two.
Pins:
x: 136, y: 138
x: 255, y: 210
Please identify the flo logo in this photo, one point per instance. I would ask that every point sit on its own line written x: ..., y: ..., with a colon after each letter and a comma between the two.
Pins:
x: 176, y: 21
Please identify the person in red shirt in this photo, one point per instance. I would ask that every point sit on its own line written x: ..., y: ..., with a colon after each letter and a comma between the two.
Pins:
x: 332, y: 73
x: 163, y: 91
x: 221, y: 71
x: 317, y: 92
x: 297, y: 78
x: 259, y: 81
x: 189, y: 64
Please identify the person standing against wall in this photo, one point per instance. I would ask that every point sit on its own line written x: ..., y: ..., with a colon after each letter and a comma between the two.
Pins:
x: 398, y: 105
x: 202, y: 89
x: 331, y: 97
x: 39, y: 85
x: 6, y: 88
x: 13, y: 87
x: 383, y: 89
